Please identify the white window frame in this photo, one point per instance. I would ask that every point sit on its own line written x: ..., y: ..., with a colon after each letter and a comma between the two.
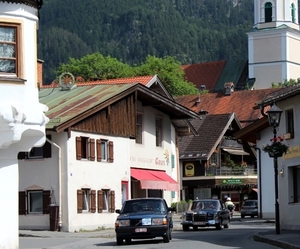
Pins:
x: 104, y: 150
x: 86, y: 200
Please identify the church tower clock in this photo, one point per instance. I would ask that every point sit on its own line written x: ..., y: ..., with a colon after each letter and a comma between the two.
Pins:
x: 273, y: 42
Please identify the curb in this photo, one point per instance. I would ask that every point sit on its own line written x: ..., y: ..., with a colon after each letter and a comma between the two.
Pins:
x: 278, y: 243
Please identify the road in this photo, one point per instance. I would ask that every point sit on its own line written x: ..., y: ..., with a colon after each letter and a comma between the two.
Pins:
x: 239, y: 235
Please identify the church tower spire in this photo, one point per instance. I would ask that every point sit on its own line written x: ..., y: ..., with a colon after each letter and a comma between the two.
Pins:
x: 273, y: 43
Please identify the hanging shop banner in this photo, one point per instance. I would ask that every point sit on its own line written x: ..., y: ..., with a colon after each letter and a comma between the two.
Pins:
x: 231, y: 181
x: 189, y: 169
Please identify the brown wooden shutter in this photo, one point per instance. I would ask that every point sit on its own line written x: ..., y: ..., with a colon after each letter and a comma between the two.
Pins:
x: 100, y: 201
x: 92, y: 149
x: 93, y: 201
x: 21, y: 155
x: 99, y: 157
x: 78, y: 148
x: 112, y: 201
x: 79, y: 201
x: 47, y: 148
x: 111, y: 151
x: 46, y: 201
x: 22, y: 203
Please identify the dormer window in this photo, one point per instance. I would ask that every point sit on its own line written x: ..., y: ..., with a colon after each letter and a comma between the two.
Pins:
x: 268, y: 12
x: 9, y: 51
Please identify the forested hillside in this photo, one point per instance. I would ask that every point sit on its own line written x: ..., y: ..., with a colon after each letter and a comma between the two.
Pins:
x: 193, y: 31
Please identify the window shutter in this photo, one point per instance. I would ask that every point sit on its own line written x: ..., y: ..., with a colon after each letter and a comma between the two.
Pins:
x: 93, y: 201
x: 99, y: 150
x: 78, y: 148
x: 92, y: 149
x: 21, y: 155
x: 79, y: 201
x: 22, y: 203
x: 100, y: 201
x: 111, y: 207
x: 47, y: 148
x: 111, y: 151
x: 46, y: 201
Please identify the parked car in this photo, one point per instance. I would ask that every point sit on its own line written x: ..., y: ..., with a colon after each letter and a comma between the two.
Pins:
x: 144, y: 218
x: 206, y: 213
x: 249, y: 208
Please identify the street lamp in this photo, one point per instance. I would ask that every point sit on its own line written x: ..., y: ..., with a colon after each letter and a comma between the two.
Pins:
x: 274, y: 115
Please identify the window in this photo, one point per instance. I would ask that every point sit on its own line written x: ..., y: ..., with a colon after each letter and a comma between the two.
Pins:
x: 38, y: 152
x: 105, y: 151
x: 86, y: 200
x: 106, y: 201
x: 9, y: 39
x: 296, y: 184
x: 293, y: 10
x: 139, y: 128
x: 268, y: 12
x: 158, y: 132
x: 34, y: 202
x: 85, y: 148
x: 290, y: 122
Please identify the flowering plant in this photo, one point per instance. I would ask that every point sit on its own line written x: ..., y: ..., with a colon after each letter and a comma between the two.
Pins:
x: 277, y: 148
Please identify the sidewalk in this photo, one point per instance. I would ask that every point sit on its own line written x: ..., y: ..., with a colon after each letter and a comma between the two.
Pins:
x: 287, y: 239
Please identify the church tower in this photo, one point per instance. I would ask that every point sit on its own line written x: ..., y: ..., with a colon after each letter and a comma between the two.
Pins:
x: 273, y: 43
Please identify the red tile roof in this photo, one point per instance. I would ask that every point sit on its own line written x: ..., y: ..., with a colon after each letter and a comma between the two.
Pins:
x: 206, y: 73
x: 240, y: 102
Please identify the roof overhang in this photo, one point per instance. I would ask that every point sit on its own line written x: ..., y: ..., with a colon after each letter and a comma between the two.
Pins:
x: 236, y: 152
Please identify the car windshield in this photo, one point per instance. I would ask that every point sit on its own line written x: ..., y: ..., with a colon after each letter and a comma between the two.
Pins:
x: 143, y: 206
x: 250, y: 203
x: 205, y: 204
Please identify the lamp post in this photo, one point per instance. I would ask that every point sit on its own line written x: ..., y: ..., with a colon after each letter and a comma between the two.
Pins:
x: 274, y: 115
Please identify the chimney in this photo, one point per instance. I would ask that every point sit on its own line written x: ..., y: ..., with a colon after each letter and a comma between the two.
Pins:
x: 228, y: 88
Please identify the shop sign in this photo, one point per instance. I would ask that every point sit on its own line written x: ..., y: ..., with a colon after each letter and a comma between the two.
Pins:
x: 189, y: 169
x: 231, y: 181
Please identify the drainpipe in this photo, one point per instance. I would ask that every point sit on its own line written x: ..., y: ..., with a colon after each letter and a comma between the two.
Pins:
x: 59, y: 183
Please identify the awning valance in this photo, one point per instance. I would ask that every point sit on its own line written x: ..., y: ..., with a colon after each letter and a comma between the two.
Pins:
x: 152, y: 179
x: 236, y: 152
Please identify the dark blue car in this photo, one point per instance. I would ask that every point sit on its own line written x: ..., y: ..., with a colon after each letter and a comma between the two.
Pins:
x: 144, y: 218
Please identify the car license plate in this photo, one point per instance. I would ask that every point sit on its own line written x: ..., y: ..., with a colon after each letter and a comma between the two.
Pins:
x: 141, y: 230
x: 199, y: 223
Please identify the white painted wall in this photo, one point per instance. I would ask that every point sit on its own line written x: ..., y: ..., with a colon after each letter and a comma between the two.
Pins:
x: 22, y: 119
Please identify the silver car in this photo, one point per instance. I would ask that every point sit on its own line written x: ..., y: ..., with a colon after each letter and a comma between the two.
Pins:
x: 249, y: 208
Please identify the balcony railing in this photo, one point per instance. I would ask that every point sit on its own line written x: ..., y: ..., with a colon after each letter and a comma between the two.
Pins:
x: 225, y: 171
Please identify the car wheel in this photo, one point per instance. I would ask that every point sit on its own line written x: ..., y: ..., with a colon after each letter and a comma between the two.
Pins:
x: 128, y: 241
x: 185, y: 228
x: 119, y: 241
x: 167, y: 237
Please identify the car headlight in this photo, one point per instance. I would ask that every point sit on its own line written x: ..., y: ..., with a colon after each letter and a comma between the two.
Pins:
x: 159, y: 221
x: 122, y: 223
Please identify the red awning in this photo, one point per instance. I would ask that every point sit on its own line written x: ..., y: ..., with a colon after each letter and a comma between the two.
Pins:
x: 151, y: 179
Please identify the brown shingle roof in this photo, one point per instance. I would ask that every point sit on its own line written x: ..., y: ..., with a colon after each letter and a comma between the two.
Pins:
x: 206, y: 73
x: 241, y: 103
x: 210, y: 130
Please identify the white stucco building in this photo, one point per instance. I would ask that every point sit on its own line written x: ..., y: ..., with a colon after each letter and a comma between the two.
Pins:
x: 22, y: 119
x: 100, y: 137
